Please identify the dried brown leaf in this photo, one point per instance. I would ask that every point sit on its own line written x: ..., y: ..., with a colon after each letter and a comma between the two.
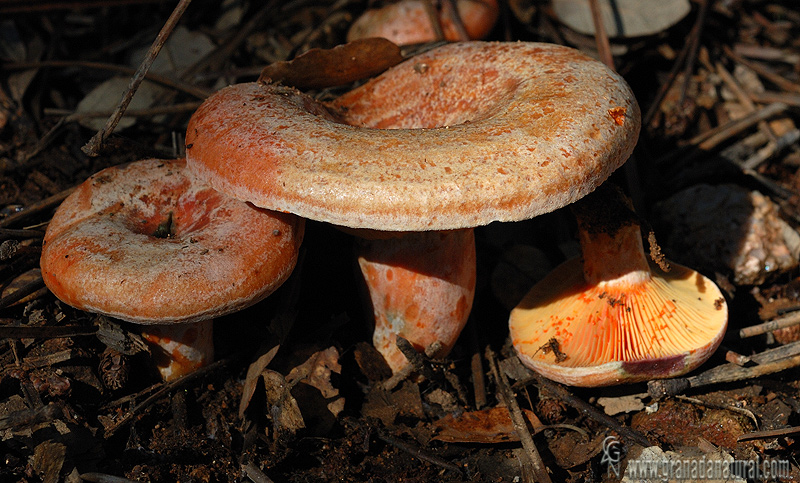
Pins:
x: 255, y: 371
x: 316, y: 372
x: 491, y: 425
x: 283, y: 408
x: 343, y: 64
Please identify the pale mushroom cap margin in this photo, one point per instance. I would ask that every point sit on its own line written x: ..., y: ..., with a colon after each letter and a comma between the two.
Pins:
x: 512, y: 131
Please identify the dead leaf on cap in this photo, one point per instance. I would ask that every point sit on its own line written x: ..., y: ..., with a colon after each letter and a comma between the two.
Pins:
x: 343, y: 64
x: 491, y: 425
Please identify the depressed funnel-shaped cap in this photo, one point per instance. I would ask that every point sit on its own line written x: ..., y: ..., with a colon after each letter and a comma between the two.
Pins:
x: 480, y: 132
x: 146, y: 243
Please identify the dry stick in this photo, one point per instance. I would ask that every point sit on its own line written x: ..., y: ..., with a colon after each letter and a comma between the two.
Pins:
x: 193, y: 90
x: 560, y: 392
x: 664, y: 88
x: 70, y: 116
x: 779, y: 323
x: 433, y: 16
x: 743, y: 99
x: 681, y: 60
x: 46, y: 332
x: 772, y: 148
x: 709, y: 140
x: 726, y: 373
x: 518, y: 419
x: 36, y: 208
x: 92, y: 148
x: 789, y: 98
x: 13, y: 233
x: 763, y: 52
x: 774, y: 144
x: 417, y: 452
x: 254, y: 473
x: 165, y: 388
x: 22, y: 292
x: 476, y: 366
x: 458, y: 23
x: 776, y: 79
x: 726, y: 407
x: 600, y: 35
x: 694, y: 42
x: 769, y: 433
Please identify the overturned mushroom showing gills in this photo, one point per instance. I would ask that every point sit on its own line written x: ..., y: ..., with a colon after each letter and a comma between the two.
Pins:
x: 457, y: 137
x: 614, y: 316
x: 147, y: 243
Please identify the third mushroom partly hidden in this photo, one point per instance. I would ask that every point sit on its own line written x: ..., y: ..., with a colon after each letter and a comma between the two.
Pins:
x: 614, y: 316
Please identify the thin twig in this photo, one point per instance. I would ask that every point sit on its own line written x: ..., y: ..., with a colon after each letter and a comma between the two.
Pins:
x: 560, y: 392
x: 780, y: 323
x: 769, y: 433
x: 726, y: 407
x: 36, y: 208
x: 776, y: 79
x: 167, y: 386
x: 694, y: 42
x: 92, y: 148
x: 70, y: 116
x: 418, y: 452
x: 185, y: 87
x: 458, y: 23
x: 433, y: 16
x: 725, y: 373
x: 517, y: 418
x: 22, y: 292
x: 601, y: 36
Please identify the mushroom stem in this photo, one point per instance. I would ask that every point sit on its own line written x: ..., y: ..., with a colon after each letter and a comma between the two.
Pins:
x: 179, y: 349
x: 612, y: 254
x: 421, y: 286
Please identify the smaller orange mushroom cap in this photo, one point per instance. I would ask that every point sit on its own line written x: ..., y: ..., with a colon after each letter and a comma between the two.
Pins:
x: 614, y: 317
x: 102, y: 251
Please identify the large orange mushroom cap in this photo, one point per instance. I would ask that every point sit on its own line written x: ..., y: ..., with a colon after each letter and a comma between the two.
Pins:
x: 613, y: 316
x: 457, y: 137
